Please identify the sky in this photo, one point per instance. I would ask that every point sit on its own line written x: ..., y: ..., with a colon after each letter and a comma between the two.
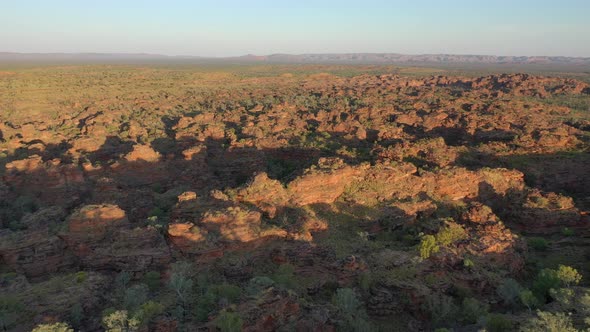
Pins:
x: 234, y: 27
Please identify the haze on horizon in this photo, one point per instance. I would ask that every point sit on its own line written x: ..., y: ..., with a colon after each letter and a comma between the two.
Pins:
x: 233, y: 27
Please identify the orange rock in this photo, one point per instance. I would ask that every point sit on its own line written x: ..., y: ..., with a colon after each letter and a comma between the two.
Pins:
x: 324, y: 184
x: 187, y: 196
x: 32, y: 163
x: 93, y: 221
x: 143, y: 153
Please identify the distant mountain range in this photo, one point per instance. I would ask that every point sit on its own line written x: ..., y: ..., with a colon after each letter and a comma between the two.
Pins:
x: 393, y: 58
x: 344, y: 58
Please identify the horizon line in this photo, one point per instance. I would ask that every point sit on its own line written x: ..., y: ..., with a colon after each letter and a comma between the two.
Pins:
x: 289, y: 54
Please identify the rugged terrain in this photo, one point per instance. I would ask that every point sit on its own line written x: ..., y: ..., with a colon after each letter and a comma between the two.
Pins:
x: 180, y: 200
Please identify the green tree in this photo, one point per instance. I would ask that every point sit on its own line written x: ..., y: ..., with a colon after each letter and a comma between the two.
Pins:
x: 259, y: 284
x: 441, y: 308
x: 182, y: 287
x: 528, y: 299
x: 353, y: 313
x: 345, y: 299
x: 181, y: 283
x: 123, y: 279
x: 563, y: 296
x: 285, y: 276
x: 428, y: 246
x: 472, y: 310
x: 76, y: 315
x: 229, y: 322
x: 549, y: 322
x: 498, y: 323
x: 509, y: 291
x: 10, y: 311
x: 152, y: 280
x: 135, y: 296
x: 545, y: 280
x: 568, y: 275
x: 538, y: 243
x: 55, y: 327
x: 450, y: 234
x: 120, y: 321
x: 148, y: 311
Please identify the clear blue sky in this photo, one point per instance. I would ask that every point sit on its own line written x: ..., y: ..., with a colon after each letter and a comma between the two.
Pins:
x: 233, y: 27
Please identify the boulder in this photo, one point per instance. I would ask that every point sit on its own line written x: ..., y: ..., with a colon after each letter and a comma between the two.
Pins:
x: 324, y: 183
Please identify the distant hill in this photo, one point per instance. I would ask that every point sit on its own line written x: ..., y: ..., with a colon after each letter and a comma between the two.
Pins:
x: 85, y: 57
x: 344, y: 58
x: 422, y: 58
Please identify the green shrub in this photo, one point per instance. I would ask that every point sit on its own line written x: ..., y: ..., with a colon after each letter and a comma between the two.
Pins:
x: 538, y: 243
x: 228, y: 322
x: 229, y: 292
x: 545, y: 280
x: 122, y: 280
x: 472, y: 310
x: 583, y: 303
x: 549, y: 322
x: 76, y: 315
x: 563, y: 296
x: 135, y: 296
x: 148, y: 311
x: 450, y: 234
x: 205, y: 305
x: 440, y: 307
x: 55, y: 327
x: 259, y: 284
x: 119, y: 321
x: 528, y: 299
x: 183, y: 268
x: 566, y: 231
x: 10, y: 311
x: 26, y: 204
x: 360, y: 324
x: 509, y: 291
x: 353, y: 314
x: 152, y: 280
x: 457, y: 291
x: 158, y: 188
x: 81, y: 276
x: 365, y: 281
x: 428, y: 246
x: 498, y: 323
x: 156, y: 212
x: 568, y: 275
x: 345, y: 299
x: 208, y: 301
x: 285, y: 276
x: 182, y: 287
x: 468, y: 263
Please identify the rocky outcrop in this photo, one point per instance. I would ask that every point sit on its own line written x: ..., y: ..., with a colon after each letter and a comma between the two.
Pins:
x: 187, y: 237
x: 491, y: 241
x: 267, y: 194
x: 233, y: 224
x: 37, y: 251
x: 53, y: 181
x: 35, y: 254
x: 92, y: 222
x: 102, y: 238
x: 272, y: 310
x: 324, y: 183
x: 53, y: 299
x: 143, y: 153
x: 535, y: 212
